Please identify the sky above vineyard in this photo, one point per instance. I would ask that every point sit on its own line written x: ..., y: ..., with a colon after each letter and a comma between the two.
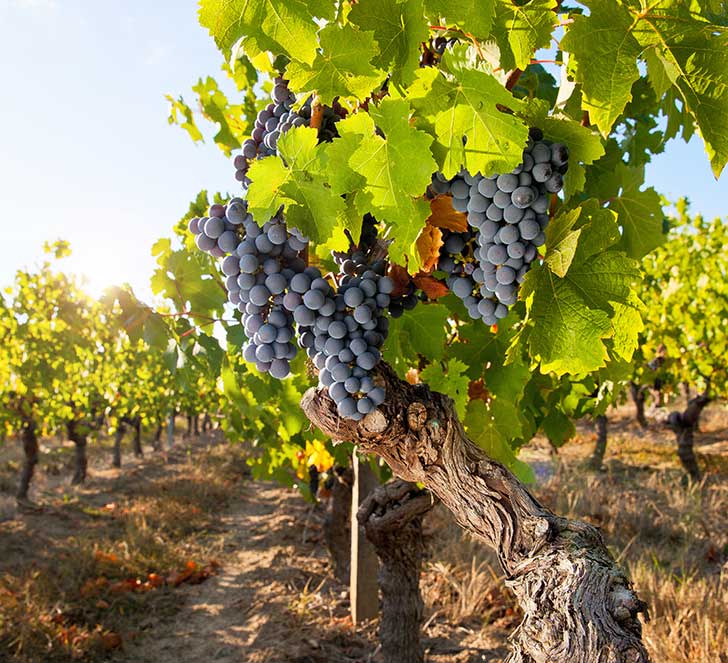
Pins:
x: 87, y: 154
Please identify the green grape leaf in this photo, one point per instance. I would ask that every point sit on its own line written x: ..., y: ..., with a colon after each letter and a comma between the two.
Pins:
x: 387, y: 181
x: 296, y: 179
x: 181, y: 115
x: 694, y: 57
x: 660, y: 72
x: 473, y: 18
x: 465, y: 108
x: 627, y: 327
x: 558, y: 427
x: 521, y: 29
x: 421, y: 331
x: 216, y: 108
x: 604, y: 60
x: 450, y: 379
x: 640, y: 212
x: 387, y: 163
x: 572, y: 315
x: 280, y: 26
x: 491, y: 427
x: 183, y: 277
x: 342, y: 66
x: 399, y: 28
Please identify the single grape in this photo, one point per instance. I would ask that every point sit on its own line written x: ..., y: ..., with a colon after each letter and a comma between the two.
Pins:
x: 522, y: 197
x: 507, y: 182
x: 259, y: 295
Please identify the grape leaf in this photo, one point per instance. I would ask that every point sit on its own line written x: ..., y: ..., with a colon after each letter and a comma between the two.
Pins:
x: 342, y: 66
x: 279, y: 26
x: 694, y: 57
x: 470, y: 131
x: 296, y: 179
x: 419, y: 332
x: 450, y: 379
x: 429, y: 244
x: 473, y: 18
x: 181, y: 115
x: 393, y: 182
x: 522, y: 28
x: 604, y: 60
x: 491, y: 427
x: 399, y: 28
x: 571, y: 315
x: 444, y: 215
x: 640, y: 212
x: 627, y: 327
x: 216, y: 108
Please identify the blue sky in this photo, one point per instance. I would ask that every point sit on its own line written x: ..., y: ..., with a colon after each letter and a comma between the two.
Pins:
x: 86, y: 152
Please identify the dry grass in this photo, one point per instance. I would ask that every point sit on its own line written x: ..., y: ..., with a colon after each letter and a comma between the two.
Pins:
x: 83, y: 573
x: 673, y: 540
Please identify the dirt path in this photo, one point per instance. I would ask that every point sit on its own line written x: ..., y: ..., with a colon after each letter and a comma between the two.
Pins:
x: 264, y: 603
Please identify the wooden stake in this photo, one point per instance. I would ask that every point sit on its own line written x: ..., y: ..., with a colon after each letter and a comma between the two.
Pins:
x: 364, y: 588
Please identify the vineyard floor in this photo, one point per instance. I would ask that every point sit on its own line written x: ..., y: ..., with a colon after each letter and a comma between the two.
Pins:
x: 234, y: 570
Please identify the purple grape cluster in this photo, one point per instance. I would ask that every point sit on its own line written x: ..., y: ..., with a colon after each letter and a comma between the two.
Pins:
x: 508, y: 215
x: 259, y: 265
x: 343, y: 330
x: 274, y: 120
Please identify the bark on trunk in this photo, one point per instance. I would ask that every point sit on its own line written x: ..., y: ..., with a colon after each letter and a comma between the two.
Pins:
x: 80, y: 466
x: 196, y: 424
x: 137, y: 442
x: 188, y: 433
x: 684, y: 424
x: 578, y: 606
x: 118, y: 437
x: 29, y: 438
x: 337, y: 524
x: 639, y: 394
x: 600, y: 449
x: 157, y: 443
x: 206, y: 423
x: 392, y: 519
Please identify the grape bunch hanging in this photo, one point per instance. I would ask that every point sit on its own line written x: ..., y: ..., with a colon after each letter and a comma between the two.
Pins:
x: 341, y: 320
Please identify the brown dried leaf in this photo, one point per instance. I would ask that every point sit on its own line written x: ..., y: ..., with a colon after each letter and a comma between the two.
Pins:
x: 401, y: 279
x: 429, y: 243
x: 433, y: 288
x: 477, y: 391
x: 444, y: 215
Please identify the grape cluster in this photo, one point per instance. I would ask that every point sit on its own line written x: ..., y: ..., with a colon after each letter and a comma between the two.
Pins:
x: 274, y: 120
x: 259, y: 266
x: 343, y: 330
x: 217, y: 233
x: 508, y: 214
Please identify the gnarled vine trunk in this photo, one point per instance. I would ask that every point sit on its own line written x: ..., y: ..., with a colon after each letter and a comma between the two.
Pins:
x: 77, y: 435
x: 392, y: 518
x: 137, y: 441
x: 337, y: 523
x: 29, y: 438
x: 578, y: 606
x: 600, y: 448
x: 684, y: 424
x: 639, y: 394
x: 118, y: 437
